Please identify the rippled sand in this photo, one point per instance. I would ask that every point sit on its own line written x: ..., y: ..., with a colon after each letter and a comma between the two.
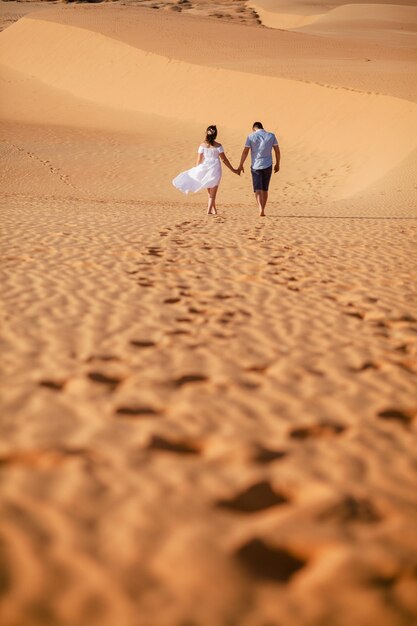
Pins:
x: 205, y: 421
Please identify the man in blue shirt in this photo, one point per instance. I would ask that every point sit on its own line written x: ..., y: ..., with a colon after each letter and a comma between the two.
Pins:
x: 261, y: 143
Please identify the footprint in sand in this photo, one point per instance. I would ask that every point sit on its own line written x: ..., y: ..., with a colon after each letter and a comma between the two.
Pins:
x: 188, y: 379
x: 103, y: 379
x: 102, y: 357
x: 351, y: 509
x: 223, y: 320
x: 142, y: 343
x: 323, y: 429
x: 402, y: 416
x: 259, y: 369
x: 366, y: 365
x: 138, y: 411
x: 357, y: 314
x: 178, y: 447
x: 55, y: 385
x: 257, y: 497
x: 268, y: 562
x: 267, y: 455
x: 381, y: 327
x: 406, y: 317
x: 222, y: 296
x: 155, y: 251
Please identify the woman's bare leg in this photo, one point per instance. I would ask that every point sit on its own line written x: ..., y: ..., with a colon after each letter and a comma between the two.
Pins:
x: 208, y: 202
x: 211, y: 207
x: 214, y: 194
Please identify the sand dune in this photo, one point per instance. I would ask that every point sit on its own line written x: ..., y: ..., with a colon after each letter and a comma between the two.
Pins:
x: 374, y: 22
x: 206, y: 421
x: 372, y: 16
x: 278, y: 15
x: 212, y: 42
x: 138, y: 76
x: 341, y: 17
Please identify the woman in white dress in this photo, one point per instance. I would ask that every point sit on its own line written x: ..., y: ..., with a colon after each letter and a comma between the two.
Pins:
x: 208, y: 171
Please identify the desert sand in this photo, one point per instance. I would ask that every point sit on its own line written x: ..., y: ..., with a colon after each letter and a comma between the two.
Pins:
x: 208, y: 421
x: 354, y: 19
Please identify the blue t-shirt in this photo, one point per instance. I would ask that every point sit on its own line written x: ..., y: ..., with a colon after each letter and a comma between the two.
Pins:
x: 260, y: 143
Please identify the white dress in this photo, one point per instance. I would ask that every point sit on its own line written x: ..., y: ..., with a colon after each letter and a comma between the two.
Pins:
x: 203, y: 176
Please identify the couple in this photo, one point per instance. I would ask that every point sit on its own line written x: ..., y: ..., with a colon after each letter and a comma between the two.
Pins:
x: 208, y: 171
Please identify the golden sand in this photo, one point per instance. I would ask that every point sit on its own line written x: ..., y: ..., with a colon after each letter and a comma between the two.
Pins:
x: 208, y: 421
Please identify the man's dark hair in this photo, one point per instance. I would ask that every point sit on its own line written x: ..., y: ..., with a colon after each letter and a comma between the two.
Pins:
x: 257, y: 126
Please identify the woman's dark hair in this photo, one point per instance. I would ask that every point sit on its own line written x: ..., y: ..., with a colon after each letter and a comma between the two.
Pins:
x: 211, y: 134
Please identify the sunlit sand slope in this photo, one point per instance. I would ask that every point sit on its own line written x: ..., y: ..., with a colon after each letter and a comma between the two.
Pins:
x: 342, y: 17
x: 336, y: 131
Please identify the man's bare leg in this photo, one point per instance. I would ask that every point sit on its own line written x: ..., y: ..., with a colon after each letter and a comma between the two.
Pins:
x: 264, y: 200
x: 261, y: 199
x: 258, y: 196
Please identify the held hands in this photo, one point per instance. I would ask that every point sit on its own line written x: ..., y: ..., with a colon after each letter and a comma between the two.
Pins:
x: 239, y: 170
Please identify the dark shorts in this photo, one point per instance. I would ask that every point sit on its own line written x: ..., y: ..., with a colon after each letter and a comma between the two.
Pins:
x: 261, y: 178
